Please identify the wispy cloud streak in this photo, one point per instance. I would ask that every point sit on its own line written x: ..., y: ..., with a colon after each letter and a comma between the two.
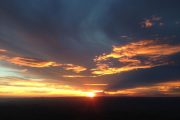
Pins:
x: 38, y: 63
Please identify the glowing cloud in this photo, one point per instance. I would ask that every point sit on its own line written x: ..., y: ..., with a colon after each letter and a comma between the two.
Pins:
x: 38, y: 63
x: 32, y: 62
x: 28, y: 62
x: 166, y: 88
x: 137, y: 55
x: 2, y: 50
x: 96, y: 84
x: 77, y: 76
x: 74, y: 68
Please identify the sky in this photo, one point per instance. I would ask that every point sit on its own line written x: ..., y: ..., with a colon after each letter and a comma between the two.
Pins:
x: 80, y: 47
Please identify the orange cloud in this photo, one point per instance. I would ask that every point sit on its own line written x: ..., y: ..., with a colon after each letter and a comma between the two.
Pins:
x: 166, y: 88
x: 96, y: 84
x: 2, y: 50
x: 74, y: 68
x: 29, y: 62
x: 39, y: 63
x: 137, y: 55
x: 77, y: 76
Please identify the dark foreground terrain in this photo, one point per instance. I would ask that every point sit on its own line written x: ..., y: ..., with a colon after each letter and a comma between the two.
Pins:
x: 100, y: 108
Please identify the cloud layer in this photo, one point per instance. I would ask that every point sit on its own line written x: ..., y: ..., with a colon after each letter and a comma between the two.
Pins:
x: 120, y: 46
x: 137, y: 55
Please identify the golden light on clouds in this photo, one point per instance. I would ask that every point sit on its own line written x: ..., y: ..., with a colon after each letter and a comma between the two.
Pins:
x: 28, y: 62
x: 74, y: 68
x: 96, y: 84
x: 35, y: 88
x: 78, y: 76
x: 137, y: 55
x: 63, y: 48
x: 166, y: 88
x: 38, y: 63
x: 2, y: 50
x: 32, y: 62
x: 36, y: 91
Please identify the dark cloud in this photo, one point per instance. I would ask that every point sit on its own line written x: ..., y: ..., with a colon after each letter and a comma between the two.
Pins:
x: 146, y: 77
x: 59, y: 27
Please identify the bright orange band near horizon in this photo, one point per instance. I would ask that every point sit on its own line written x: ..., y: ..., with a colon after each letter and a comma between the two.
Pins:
x: 40, y: 89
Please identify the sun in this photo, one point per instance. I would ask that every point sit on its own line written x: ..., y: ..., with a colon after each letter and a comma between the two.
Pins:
x: 91, y: 94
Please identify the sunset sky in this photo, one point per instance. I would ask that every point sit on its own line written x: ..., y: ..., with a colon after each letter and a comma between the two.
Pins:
x: 84, y: 47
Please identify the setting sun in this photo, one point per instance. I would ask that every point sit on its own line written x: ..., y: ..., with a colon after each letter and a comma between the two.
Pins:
x: 91, y: 94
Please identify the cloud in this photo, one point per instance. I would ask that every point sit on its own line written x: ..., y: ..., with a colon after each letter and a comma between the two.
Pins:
x: 95, y: 84
x: 26, y: 61
x: 58, y: 39
x: 74, y: 68
x: 29, y: 62
x: 78, y: 76
x: 39, y: 63
x: 2, y: 51
x: 152, y: 21
x: 137, y: 55
x: 145, y: 77
x: 171, y: 88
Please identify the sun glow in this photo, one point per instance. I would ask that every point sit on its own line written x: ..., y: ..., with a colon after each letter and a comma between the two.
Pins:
x: 91, y: 94
x: 29, y: 88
